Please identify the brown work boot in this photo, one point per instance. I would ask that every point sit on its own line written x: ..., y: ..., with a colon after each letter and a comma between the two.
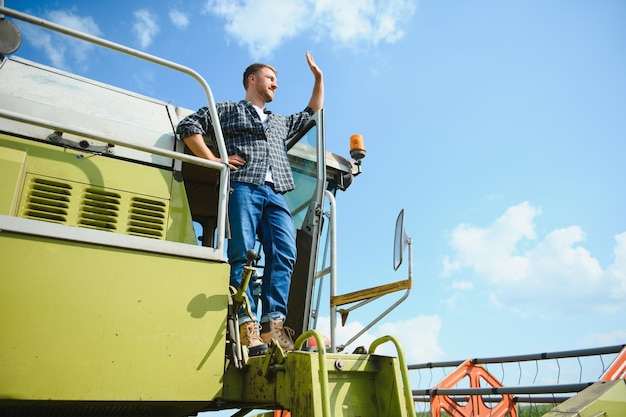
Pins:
x: 274, y: 329
x: 249, y: 336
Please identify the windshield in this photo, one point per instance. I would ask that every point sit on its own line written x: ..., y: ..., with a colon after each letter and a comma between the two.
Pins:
x: 303, y: 159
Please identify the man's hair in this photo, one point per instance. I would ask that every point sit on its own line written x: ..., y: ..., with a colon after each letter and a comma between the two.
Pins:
x: 253, y: 69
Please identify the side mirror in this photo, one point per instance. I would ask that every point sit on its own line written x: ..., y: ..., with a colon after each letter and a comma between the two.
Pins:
x: 10, y: 37
x: 400, y: 241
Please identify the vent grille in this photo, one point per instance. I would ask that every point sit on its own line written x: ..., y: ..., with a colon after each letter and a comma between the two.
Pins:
x: 48, y: 200
x: 146, y: 218
x: 83, y: 205
x: 99, y: 209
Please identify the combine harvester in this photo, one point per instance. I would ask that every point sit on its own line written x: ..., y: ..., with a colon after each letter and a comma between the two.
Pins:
x: 111, y: 307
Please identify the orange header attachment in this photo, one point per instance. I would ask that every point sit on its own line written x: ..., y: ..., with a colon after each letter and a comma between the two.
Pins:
x: 475, y: 405
x: 357, y: 147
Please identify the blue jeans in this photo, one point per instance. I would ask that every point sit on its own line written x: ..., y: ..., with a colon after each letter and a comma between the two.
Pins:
x: 258, y: 209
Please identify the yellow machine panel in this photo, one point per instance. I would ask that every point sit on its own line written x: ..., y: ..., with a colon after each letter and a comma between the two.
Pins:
x: 90, y: 323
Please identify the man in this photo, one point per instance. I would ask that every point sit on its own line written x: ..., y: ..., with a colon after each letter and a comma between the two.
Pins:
x: 260, y: 175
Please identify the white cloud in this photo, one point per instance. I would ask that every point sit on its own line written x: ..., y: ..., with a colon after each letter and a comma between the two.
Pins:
x: 263, y: 26
x: 462, y: 285
x: 145, y: 27
x: 491, y: 252
x: 615, y: 337
x: 363, y: 20
x: 62, y: 49
x: 553, y: 273
x: 418, y: 337
x: 458, y: 294
x: 180, y: 19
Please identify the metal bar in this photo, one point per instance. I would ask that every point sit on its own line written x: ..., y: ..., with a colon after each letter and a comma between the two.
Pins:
x: 316, y: 207
x: 322, y: 273
x: 552, y: 355
x: 333, y: 269
x: 541, y: 400
x: 521, y: 358
x: 431, y: 365
x: 149, y: 149
x: 370, y: 293
x: 538, y: 389
x: 496, y: 399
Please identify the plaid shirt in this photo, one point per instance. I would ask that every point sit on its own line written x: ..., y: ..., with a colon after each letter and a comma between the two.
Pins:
x: 244, y: 135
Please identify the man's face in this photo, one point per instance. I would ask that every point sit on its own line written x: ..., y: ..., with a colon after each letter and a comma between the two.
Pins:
x: 265, y: 84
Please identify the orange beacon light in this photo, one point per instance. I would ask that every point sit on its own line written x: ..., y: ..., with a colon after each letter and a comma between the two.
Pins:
x: 357, y: 147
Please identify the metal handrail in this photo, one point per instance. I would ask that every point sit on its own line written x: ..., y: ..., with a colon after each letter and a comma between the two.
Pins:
x: 332, y: 233
x: 7, y: 114
x: 224, y: 170
x: 406, y: 389
x: 323, y: 370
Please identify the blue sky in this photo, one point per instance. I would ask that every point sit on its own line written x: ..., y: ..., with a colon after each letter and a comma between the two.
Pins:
x: 499, y: 126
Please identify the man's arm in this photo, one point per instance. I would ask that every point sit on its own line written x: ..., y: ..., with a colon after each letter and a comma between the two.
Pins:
x: 317, y: 97
x: 196, y: 143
